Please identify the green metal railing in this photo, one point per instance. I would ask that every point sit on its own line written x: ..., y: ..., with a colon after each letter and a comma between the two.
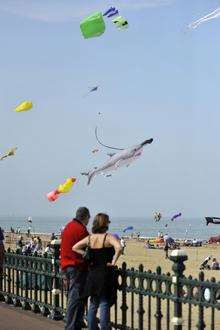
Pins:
x: 146, y: 299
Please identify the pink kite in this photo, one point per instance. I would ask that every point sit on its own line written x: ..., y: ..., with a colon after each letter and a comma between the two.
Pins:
x: 53, y: 195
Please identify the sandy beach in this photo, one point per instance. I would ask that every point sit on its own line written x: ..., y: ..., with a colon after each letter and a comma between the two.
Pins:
x: 136, y: 254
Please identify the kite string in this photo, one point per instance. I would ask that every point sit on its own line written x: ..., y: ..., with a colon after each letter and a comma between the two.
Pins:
x: 104, y: 145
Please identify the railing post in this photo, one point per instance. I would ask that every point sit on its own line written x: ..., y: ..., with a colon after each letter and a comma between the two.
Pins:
x: 141, y: 310
x: 124, y: 306
x: 16, y: 301
x: 178, y: 257
x: 55, y: 312
x: 8, y: 298
x: 201, y: 324
x: 158, y: 315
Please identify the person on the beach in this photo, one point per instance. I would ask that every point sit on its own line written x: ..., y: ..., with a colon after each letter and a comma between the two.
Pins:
x: 166, y: 245
x: 1, y: 250
x: 148, y: 245
x: 19, y: 243
x: 101, y: 285
x: 123, y: 244
x: 74, y: 268
x: 48, y: 249
x: 204, y: 264
x: 39, y: 244
x: 18, y: 230
x: 53, y: 237
x: 166, y: 249
x: 215, y: 264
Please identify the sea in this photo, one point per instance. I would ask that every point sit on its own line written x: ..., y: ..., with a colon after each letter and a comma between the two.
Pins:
x: 180, y: 228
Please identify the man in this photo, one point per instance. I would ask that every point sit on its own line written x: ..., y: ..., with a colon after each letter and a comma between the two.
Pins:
x: 168, y: 242
x: 74, y: 268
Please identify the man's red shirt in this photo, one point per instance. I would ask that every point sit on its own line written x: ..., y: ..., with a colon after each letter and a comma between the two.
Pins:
x: 73, y: 232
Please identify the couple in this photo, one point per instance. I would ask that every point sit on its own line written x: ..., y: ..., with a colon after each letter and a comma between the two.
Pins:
x: 88, y: 267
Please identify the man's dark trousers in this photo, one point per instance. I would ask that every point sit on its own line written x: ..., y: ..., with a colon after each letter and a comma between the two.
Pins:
x: 76, y: 303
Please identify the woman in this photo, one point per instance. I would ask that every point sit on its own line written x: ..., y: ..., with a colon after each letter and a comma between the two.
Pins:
x: 103, y: 251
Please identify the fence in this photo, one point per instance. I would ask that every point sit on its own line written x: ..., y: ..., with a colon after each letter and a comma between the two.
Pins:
x: 146, y: 300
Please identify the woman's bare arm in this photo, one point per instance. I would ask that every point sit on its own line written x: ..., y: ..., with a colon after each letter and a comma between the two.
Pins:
x: 80, y: 246
x: 117, y: 246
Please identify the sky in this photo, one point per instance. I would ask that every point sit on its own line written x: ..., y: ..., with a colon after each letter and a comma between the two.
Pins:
x: 156, y: 80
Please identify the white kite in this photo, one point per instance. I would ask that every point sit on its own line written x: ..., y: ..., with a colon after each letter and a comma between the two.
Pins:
x: 212, y: 15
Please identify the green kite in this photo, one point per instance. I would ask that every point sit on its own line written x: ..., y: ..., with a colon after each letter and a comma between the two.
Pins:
x: 93, y: 26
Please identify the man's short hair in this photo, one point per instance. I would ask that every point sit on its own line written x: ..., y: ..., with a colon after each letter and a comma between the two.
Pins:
x: 82, y: 213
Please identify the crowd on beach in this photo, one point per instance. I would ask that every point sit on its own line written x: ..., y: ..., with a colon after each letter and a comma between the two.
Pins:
x: 33, y: 246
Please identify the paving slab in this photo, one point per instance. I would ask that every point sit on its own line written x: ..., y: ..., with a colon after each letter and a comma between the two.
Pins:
x: 14, y: 318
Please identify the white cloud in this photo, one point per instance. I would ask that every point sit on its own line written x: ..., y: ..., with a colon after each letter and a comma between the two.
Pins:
x: 67, y: 10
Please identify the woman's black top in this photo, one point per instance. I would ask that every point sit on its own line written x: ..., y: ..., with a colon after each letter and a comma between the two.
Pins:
x: 102, y: 279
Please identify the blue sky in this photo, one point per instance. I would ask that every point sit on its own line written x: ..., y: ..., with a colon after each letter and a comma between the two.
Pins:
x: 155, y: 80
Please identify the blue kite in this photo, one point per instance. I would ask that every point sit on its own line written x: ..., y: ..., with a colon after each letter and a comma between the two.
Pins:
x: 128, y: 228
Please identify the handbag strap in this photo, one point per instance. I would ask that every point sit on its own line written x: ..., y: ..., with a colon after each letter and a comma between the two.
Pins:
x: 89, y: 242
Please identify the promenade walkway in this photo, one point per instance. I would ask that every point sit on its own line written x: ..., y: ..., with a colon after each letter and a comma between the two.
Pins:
x: 14, y: 318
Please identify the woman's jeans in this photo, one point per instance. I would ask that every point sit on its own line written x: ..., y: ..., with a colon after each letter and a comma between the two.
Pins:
x: 104, y: 306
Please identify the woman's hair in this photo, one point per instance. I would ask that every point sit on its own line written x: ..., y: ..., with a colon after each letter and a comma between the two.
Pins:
x: 100, y: 223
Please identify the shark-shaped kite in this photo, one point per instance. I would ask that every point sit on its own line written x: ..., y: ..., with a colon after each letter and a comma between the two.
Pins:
x: 122, y: 158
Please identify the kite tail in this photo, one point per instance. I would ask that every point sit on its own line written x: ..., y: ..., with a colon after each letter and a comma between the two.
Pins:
x: 110, y: 10
x: 113, y: 14
x: 90, y: 175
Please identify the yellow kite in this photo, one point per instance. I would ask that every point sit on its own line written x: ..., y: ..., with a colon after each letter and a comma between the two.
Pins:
x: 24, y: 106
x: 10, y: 152
x: 66, y: 186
